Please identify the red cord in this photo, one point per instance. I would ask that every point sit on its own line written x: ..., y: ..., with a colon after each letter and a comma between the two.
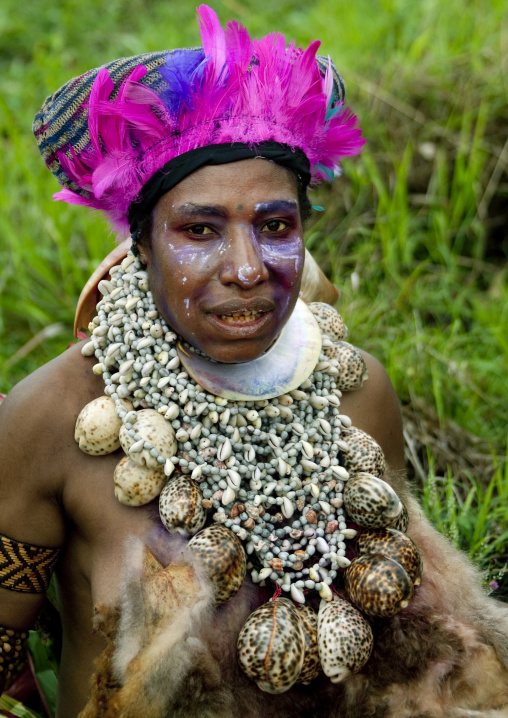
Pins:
x: 278, y: 591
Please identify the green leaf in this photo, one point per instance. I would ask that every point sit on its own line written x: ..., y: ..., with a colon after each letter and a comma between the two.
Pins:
x: 44, y: 672
x: 15, y: 708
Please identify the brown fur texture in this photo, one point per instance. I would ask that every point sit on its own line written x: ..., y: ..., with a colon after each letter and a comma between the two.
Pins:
x: 170, y: 654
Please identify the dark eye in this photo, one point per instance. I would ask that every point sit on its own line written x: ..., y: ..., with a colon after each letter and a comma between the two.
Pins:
x: 199, y: 230
x: 274, y: 226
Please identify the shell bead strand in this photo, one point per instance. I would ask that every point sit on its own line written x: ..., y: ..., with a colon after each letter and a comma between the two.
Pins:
x: 280, y: 476
x: 249, y: 453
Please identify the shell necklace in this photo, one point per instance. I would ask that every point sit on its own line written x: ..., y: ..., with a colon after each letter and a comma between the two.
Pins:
x: 271, y: 463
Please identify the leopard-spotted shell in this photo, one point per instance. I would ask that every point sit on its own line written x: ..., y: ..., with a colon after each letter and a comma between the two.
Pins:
x: 364, y: 454
x: 378, y: 585
x: 271, y: 646
x: 329, y: 320
x: 393, y: 544
x: 401, y: 523
x: 371, y: 502
x: 352, y: 367
x: 311, y: 664
x: 345, y: 639
x: 223, y: 558
x: 180, y: 506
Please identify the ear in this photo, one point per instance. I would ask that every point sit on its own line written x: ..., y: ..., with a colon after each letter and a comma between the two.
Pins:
x: 144, y: 240
x: 143, y: 248
x: 143, y: 258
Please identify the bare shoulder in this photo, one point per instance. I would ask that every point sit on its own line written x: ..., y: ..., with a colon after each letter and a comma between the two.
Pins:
x: 375, y: 409
x: 37, y: 444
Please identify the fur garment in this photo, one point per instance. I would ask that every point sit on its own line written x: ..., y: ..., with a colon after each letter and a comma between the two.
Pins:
x: 171, y: 654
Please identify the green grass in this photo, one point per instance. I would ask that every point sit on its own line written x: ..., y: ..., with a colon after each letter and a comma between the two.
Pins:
x: 413, y: 234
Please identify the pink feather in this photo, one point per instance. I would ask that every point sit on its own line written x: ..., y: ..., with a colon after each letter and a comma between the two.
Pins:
x: 252, y: 91
x: 214, y: 42
x: 102, y: 88
x: 328, y: 83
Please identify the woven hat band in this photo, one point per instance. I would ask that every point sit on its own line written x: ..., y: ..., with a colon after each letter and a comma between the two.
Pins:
x: 180, y: 167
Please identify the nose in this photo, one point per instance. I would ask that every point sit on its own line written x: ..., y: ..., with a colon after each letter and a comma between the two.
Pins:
x: 244, y: 264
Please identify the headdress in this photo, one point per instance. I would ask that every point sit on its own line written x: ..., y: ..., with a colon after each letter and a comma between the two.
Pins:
x: 120, y: 136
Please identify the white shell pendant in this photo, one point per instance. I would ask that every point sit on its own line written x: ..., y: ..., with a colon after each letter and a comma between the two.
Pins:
x: 98, y: 426
x: 281, y: 369
x: 137, y: 485
x: 180, y: 506
x: 271, y: 646
x: 151, y: 428
x: 345, y: 639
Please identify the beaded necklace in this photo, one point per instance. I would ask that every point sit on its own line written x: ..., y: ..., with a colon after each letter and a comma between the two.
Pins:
x: 276, y: 472
x: 272, y: 471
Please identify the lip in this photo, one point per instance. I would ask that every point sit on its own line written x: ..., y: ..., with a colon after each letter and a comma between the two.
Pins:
x: 240, y: 306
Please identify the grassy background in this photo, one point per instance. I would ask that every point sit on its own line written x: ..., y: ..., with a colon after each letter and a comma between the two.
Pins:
x: 414, y: 234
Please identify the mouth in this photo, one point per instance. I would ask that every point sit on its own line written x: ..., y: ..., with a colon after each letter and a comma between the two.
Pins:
x: 242, y: 313
x: 244, y: 317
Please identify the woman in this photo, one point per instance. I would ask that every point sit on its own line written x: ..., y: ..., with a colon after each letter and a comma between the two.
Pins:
x: 224, y: 393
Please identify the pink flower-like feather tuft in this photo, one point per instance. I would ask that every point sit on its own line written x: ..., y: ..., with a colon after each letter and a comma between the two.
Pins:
x: 241, y: 90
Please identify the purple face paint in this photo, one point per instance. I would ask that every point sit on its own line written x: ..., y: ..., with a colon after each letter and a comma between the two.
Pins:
x: 226, y: 257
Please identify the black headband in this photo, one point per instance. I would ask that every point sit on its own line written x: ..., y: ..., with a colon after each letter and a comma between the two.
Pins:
x: 180, y: 167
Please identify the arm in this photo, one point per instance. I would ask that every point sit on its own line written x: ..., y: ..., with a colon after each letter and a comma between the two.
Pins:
x: 32, y: 526
x: 374, y: 408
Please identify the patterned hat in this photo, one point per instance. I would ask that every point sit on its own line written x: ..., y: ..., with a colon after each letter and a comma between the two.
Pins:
x: 115, y: 136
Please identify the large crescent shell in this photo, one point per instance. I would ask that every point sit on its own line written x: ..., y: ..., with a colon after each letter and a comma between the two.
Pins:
x: 315, y: 286
x: 280, y: 370
x: 88, y: 299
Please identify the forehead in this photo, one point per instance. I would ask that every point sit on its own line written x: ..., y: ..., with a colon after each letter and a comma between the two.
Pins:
x: 246, y: 183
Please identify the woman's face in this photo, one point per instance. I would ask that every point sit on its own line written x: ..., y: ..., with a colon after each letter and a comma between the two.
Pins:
x: 226, y: 257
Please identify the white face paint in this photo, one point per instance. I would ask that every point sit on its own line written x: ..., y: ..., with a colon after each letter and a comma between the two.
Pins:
x: 226, y: 257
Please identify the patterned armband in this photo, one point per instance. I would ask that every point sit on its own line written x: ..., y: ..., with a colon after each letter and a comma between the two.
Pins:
x: 24, y: 567
x: 11, y: 646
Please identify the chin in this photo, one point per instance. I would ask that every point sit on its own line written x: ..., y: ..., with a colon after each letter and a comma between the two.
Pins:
x: 236, y: 354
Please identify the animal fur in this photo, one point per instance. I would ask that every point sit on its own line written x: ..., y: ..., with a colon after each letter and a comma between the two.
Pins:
x: 171, y: 654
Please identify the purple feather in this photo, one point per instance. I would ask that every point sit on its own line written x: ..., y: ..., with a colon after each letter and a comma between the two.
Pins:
x: 183, y: 71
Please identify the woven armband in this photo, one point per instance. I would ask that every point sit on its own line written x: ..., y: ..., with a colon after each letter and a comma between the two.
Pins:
x: 24, y: 567
x: 11, y: 646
